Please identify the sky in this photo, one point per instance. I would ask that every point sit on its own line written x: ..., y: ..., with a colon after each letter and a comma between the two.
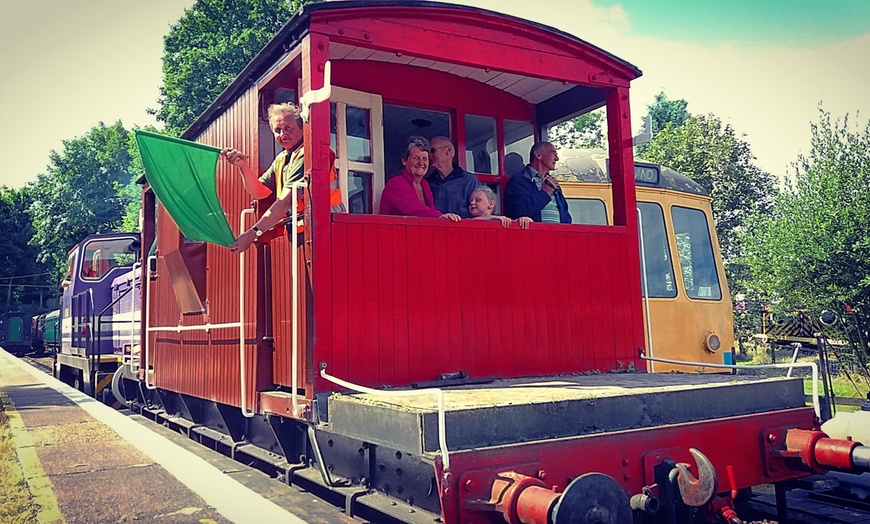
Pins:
x: 763, y: 66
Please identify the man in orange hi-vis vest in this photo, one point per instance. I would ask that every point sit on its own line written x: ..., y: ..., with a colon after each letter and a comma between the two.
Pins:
x: 286, y: 169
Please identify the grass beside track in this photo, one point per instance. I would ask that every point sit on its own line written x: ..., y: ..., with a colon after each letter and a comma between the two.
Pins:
x: 16, y: 502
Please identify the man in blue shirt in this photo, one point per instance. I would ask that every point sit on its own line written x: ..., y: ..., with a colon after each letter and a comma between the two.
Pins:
x: 534, y: 192
x: 451, y: 185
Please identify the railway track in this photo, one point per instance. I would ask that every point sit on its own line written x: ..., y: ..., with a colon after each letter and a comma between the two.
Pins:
x: 810, y: 502
x: 42, y: 363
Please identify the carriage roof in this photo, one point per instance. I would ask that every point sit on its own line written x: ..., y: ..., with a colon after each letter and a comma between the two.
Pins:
x: 557, y: 99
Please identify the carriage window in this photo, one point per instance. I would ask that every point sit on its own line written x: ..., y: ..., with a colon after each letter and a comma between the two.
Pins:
x: 657, y: 275
x: 519, y: 137
x: 264, y: 131
x: 359, y: 134
x: 481, y: 152
x: 359, y: 192
x: 696, y: 254
x: 401, y: 122
x: 103, y: 255
x: 589, y: 211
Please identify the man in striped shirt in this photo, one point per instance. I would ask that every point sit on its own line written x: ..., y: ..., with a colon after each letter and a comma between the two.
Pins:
x: 534, y: 192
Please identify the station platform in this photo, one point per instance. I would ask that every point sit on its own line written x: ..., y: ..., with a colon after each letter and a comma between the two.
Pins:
x: 84, y: 462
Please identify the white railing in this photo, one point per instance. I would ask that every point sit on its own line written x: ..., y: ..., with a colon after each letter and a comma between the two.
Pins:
x: 128, y: 359
x: 294, y: 301
x: 294, y: 361
x: 243, y: 372
x: 789, y: 366
x: 439, y: 395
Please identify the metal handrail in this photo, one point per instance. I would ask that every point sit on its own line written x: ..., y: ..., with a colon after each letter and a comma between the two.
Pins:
x: 243, y: 400
x: 439, y: 396
x: 145, y: 349
x: 294, y: 360
x: 294, y: 301
x: 98, y: 335
x: 811, y: 365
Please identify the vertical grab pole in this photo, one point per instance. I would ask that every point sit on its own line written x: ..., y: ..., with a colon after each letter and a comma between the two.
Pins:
x: 124, y: 359
x: 145, y: 345
x: 294, y: 302
x: 243, y: 371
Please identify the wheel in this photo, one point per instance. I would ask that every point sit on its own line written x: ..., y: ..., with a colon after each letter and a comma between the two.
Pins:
x: 593, y: 498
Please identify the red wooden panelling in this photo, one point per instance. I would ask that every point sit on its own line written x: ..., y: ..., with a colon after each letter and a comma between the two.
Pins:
x: 204, y: 364
x: 479, y: 298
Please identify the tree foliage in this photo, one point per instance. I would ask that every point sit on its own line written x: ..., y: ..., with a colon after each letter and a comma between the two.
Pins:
x: 661, y: 114
x: 664, y: 112
x: 22, y: 279
x: 81, y: 192
x: 710, y: 152
x: 208, y: 47
x: 585, y: 131
x: 812, y: 252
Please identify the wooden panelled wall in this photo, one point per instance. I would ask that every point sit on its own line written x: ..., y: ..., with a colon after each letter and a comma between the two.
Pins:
x: 203, y: 364
x: 413, y: 298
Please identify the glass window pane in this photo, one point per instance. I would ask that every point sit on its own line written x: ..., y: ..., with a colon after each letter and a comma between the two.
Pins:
x: 587, y: 211
x: 519, y: 137
x: 481, y: 153
x: 695, y: 248
x: 359, y: 134
x: 103, y: 255
x: 400, y: 122
x: 359, y: 192
x: 657, y: 274
x: 285, y: 94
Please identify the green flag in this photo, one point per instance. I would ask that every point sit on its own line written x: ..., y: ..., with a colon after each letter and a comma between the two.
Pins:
x: 182, y: 175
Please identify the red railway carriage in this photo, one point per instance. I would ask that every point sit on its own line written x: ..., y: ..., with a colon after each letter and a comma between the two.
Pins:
x: 423, y: 370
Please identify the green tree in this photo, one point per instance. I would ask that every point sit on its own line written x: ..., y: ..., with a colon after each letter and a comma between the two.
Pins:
x: 81, y: 192
x: 662, y: 113
x: 812, y: 251
x: 208, y: 47
x: 711, y: 153
x: 585, y: 131
x: 23, y: 280
x: 132, y: 192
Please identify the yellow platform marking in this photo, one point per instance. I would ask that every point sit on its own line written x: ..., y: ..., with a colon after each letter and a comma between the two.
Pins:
x: 38, y: 482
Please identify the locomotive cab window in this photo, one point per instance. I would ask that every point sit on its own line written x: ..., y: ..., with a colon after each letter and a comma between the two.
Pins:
x: 695, y: 249
x: 100, y: 257
x: 657, y: 271
x: 70, y: 269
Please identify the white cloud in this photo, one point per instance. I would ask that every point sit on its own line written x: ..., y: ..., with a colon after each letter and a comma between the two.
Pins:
x: 769, y: 94
x: 75, y: 64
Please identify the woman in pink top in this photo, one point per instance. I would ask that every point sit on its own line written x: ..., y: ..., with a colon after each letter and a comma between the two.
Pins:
x: 407, y: 194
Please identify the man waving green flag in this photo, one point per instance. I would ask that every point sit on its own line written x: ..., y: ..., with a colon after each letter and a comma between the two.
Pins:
x: 182, y: 175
